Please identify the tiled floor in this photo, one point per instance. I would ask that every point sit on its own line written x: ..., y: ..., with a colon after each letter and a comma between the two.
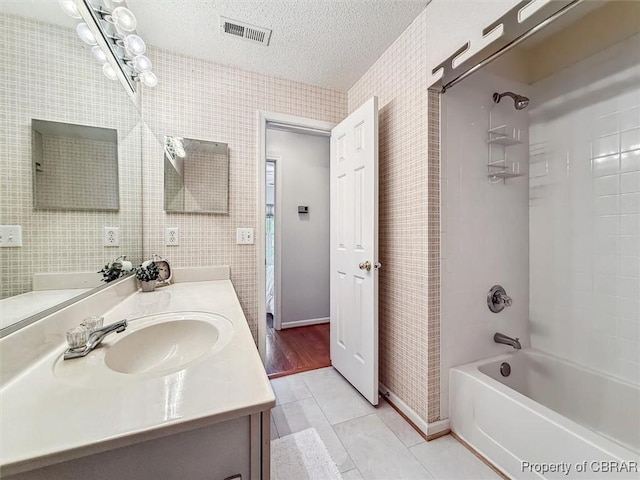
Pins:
x: 366, y: 442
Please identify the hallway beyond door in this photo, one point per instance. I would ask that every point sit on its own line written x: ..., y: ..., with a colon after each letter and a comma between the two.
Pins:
x: 295, y: 350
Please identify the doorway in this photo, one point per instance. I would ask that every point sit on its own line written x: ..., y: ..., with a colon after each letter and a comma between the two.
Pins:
x: 296, y: 239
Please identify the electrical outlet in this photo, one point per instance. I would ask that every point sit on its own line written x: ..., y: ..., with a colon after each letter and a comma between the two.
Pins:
x: 10, y: 236
x: 244, y: 236
x: 171, y: 236
x: 111, y: 236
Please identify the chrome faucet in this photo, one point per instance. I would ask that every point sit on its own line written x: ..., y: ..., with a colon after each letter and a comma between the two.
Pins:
x: 512, y: 342
x: 95, y: 338
x: 497, y: 299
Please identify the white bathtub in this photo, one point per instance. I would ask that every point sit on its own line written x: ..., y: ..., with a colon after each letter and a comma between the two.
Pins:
x: 547, y: 414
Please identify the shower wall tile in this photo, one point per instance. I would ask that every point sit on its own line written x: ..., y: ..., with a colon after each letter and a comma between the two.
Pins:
x: 409, y: 200
x: 484, y: 226
x: 585, y: 248
x: 202, y: 100
x: 49, y: 74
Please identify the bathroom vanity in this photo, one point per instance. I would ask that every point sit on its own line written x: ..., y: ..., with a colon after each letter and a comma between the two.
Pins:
x: 181, y: 393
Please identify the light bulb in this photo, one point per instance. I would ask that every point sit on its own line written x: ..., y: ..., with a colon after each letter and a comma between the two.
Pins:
x: 141, y: 63
x: 85, y: 34
x: 98, y: 54
x: 149, y: 79
x: 135, y: 45
x: 124, y: 19
x: 109, y: 72
x: 70, y: 8
x: 179, y: 148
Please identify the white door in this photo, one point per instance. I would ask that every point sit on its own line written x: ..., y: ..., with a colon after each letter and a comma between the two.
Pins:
x: 354, y: 249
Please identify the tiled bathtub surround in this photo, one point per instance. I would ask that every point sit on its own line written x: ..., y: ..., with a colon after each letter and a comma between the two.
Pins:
x: 585, y: 212
x: 484, y: 227
x: 49, y: 75
x: 207, y: 101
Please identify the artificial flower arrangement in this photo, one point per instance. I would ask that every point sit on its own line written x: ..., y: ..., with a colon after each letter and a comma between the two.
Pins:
x: 148, y: 271
x: 116, y: 269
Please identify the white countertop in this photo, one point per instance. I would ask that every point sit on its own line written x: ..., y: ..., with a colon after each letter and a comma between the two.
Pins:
x: 16, y: 308
x: 45, y: 420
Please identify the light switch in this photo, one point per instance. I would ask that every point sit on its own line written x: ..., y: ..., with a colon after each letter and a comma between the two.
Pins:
x: 10, y: 236
x: 244, y: 236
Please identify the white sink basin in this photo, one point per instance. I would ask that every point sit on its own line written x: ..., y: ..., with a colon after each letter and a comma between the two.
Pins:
x: 162, y: 347
x: 150, y: 346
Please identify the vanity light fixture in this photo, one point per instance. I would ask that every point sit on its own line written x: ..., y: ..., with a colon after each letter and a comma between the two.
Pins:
x: 141, y: 64
x: 134, y: 44
x: 69, y: 7
x: 123, y: 18
x: 85, y: 34
x: 174, y: 147
x: 109, y: 72
x: 99, y: 55
x: 149, y: 79
x: 111, y: 33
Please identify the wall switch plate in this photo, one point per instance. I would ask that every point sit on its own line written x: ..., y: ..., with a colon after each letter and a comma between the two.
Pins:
x: 244, y: 236
x: 111, y: 237
x: 10, y: 236
x: 172, y: 236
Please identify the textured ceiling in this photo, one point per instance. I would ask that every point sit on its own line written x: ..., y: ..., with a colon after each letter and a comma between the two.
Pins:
x: 330, y: 43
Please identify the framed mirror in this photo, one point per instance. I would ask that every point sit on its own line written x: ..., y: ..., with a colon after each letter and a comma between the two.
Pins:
x: 56, y: 87
x: 196, y: 175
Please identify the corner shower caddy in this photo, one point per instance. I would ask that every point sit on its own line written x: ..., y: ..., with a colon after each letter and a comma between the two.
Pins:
x: 502, y: 136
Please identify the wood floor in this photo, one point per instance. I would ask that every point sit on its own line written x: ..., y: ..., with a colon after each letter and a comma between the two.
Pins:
x: 295, y: 350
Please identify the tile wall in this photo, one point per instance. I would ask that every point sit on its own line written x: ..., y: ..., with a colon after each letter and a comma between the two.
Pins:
x: 77, y: 171
x: 399, y: 80
x: 202, y: 100
x: 485, y: 232
x: 205, y: 182
x: 434, y: 264
x: 585, y: 212
x: 50, y: 75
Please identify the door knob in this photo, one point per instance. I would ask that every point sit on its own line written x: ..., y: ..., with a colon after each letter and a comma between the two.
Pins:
x: 365, y: 266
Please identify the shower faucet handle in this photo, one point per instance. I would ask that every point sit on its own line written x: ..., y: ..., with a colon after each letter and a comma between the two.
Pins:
x: 497, y: 299
x: 506, y: 299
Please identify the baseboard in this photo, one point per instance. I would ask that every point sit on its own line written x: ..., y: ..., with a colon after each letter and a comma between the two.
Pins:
x: 303, y: 323
x: 428, y: 430
x: 438, y: 429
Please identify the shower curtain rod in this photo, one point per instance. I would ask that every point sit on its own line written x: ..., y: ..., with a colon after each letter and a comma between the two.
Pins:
x: 510, y: 45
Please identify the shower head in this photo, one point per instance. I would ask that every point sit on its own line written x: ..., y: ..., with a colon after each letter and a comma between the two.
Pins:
x: 520, y: 102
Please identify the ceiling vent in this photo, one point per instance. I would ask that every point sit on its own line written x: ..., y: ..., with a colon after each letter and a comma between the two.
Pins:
x: 245, y: 31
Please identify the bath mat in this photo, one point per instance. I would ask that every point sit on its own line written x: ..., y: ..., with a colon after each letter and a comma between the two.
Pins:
x: 302, y: 456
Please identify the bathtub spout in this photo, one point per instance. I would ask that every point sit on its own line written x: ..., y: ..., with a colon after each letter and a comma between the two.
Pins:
x: 512, y: 342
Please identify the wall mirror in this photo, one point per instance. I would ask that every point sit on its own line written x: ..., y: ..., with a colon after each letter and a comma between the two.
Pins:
x: 75, y: 167
x: 196, y: 175
x: 52, y: 77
